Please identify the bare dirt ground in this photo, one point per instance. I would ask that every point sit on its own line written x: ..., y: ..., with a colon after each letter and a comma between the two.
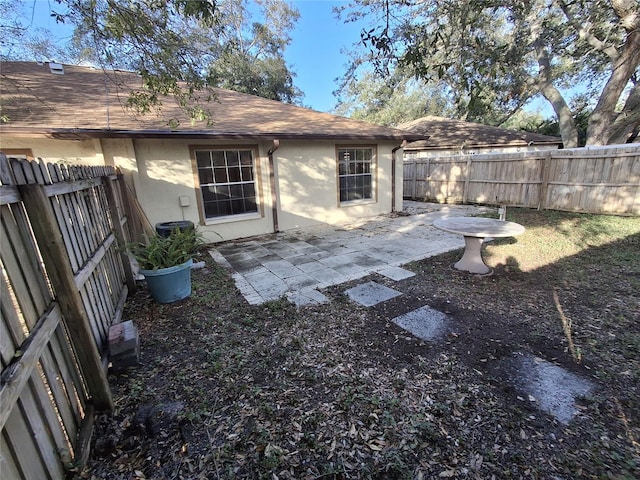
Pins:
x: 338, y: 391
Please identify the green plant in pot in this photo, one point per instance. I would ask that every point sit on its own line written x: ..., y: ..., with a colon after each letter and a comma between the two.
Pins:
x: 165, y: 262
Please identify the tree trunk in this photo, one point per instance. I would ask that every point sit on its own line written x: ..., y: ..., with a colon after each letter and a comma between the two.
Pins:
x: 599, y: 130
x: 628, y: 120
x: 568, y: 130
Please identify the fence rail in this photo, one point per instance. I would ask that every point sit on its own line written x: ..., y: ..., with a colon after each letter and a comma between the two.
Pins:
x: 64, y: 281
x: 594, y: 180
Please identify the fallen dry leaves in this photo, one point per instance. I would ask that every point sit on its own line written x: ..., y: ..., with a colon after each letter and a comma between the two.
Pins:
x: 337, y: 391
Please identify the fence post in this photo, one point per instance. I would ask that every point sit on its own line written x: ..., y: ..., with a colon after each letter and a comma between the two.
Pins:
x: 542, y: 203
x: 414, y: 180
x: 119, y: 232
x: 58, y: 266
x: 467, y: 180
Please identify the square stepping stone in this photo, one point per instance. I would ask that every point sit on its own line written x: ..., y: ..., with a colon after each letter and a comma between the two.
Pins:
x: 426, y: 323
x: 396, y: 273
x: 550, y: 387
x: 306, y: 297
x: 371, y: 293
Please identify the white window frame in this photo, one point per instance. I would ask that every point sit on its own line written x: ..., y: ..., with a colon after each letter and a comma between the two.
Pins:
x: 355, y: 170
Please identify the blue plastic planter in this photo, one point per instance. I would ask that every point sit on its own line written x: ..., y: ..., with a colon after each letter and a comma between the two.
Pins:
x: 168, y: 285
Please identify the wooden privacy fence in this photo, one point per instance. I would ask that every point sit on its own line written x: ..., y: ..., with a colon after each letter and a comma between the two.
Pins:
x: 594, y: 180
x: 64, y: 281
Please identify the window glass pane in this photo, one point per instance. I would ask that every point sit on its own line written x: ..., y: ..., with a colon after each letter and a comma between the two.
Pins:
x: 208, y: 194
x: 237, y: 206
x: 222, y: 191
x: 205, y: 175
x: 249, y: 190
x: 217, y: 157
x: 236, y: 191
x: 251, y: 205
x: 203, y: 159
x: 234, y: 174
x: 233, y: 158
x: 224, y: 208
x: 246, y: 158
x: 221, y: 175
x: 247, y: 174
x: 211, y: 209
x: 366, y: 191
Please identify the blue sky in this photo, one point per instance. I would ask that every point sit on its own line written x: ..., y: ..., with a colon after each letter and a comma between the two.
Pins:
x: 315, y: 51
x: 313, y: 55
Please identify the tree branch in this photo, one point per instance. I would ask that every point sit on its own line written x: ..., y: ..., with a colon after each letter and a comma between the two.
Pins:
x: 583, y: 28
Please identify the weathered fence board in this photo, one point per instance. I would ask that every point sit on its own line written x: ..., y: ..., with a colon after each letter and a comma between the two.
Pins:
x: 595, y: 180
x: 63, y: 282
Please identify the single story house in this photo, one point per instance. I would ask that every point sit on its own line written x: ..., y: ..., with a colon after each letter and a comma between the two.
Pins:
x: 259, y: 166
x: 456, y: 137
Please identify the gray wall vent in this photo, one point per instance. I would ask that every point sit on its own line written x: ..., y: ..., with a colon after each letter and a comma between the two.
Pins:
x: 56, y: 68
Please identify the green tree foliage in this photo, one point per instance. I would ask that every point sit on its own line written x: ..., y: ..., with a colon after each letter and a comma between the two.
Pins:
x: 391, y: 101
x: 250, y: 53
x: 496, y: 54
x: 179, y: 47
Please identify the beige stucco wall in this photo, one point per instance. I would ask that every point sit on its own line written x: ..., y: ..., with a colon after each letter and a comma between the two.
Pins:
x: 161, y: 174
x: 69, y: 152
x: 164, y: 174
x: 308, y: 187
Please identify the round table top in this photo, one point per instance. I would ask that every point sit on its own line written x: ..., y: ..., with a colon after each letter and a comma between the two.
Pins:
x: 479, y: 226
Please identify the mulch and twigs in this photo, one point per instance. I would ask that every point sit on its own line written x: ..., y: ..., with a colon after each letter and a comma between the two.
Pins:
x: 337, y: 391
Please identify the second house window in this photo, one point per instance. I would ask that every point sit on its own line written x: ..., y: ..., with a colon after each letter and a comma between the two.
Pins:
x: 355, y: 167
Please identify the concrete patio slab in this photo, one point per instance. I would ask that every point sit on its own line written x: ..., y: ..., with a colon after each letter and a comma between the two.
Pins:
x: 547, y: 386
x: 395, y: 273
x: 371, y: 293
x: 268, y: 267
x: 426, y: 323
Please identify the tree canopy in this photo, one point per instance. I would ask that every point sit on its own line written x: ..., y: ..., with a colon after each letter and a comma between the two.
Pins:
x: 495, y: 55
x: 177, y: 46
x: 250, y: 53
x: 392, y: 100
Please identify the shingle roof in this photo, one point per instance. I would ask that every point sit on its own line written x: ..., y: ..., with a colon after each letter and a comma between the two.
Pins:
x: 449, y: 133
x: 85, y: 101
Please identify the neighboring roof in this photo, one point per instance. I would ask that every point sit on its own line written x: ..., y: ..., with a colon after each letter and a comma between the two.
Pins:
x: 87, y: 102
x: 450, y: 133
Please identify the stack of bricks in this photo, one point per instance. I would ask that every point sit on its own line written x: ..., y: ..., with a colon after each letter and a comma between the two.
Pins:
x: 124, y: 345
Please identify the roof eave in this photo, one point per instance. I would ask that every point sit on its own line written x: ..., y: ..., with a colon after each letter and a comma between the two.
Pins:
x: 481, y: 145
x: 81, y: 133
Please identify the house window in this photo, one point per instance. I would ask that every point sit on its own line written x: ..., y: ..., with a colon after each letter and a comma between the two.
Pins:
x: 355, y: 166
x: 227, y: 182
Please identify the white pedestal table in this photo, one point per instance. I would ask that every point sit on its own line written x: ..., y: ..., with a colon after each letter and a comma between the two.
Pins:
x: 475, y: 230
